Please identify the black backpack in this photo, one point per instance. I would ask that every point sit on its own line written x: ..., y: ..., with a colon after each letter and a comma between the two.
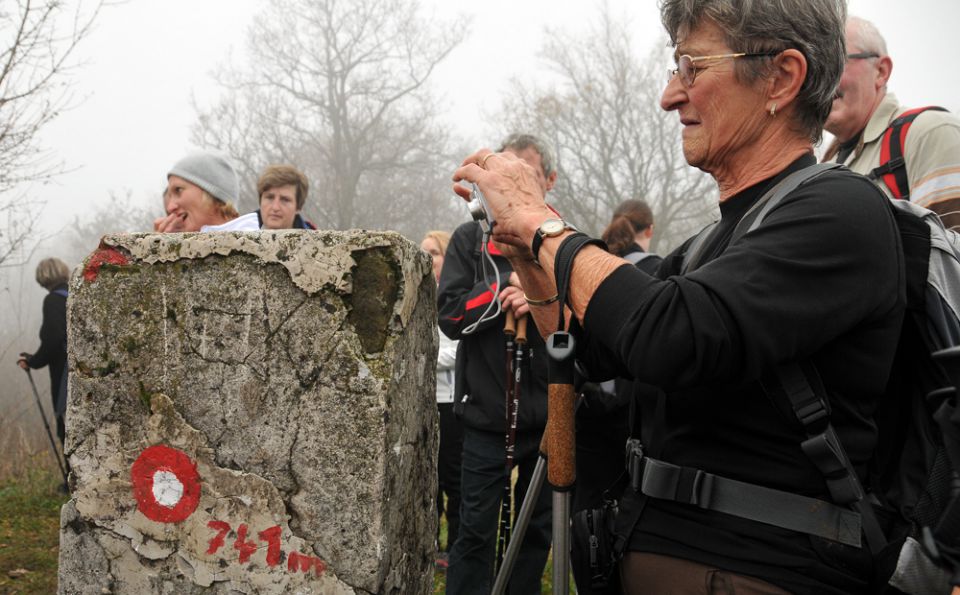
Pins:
x: 909, y: 512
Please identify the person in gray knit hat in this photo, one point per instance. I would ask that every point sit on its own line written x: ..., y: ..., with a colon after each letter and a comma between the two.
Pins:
x: 200, y: 195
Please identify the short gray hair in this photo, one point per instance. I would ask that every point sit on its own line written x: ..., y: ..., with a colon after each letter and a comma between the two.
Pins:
x: 813, y: 27
x: 868, y: 36
x: 52, y: 272
x: 519, y: 141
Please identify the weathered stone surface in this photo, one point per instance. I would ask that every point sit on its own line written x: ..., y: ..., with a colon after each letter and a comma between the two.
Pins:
x: 289, y: 377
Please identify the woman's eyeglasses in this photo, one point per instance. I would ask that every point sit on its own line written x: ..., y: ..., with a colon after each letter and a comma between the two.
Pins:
x: 687, y: 67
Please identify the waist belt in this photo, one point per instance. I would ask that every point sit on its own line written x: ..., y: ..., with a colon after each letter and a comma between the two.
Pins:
x: 666, y: 481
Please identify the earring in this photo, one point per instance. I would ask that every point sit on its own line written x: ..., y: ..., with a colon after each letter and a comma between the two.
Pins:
x: 773, y: 110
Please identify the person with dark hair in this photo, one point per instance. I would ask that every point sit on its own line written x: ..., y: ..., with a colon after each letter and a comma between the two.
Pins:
x: 722, y: 496
x: 202, y: 189
x: 629, y: 234
x: 283, y: 192
x: 53, y: 274
x: 463, y: 296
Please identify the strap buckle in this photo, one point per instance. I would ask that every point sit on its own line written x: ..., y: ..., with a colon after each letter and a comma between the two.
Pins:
x: 634, y: 459
x: 826, y: 453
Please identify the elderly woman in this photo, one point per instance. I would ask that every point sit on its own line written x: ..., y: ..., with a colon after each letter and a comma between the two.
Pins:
x: 202, y: 189
x: 753, y: 84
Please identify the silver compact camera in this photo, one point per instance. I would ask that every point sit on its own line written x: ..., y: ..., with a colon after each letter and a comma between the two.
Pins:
x: 479, y: 210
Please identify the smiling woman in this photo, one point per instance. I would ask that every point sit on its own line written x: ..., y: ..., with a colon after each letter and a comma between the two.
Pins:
x: 201, y: 191
x: 731, y: 504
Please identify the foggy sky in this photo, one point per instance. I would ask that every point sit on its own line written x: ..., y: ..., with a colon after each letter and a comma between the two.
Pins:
x: 147, y: 61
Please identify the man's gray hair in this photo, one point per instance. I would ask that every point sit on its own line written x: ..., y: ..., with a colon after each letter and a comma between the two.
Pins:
x: 868, y: 36
x: 519, y: 141
x: 813, y: 27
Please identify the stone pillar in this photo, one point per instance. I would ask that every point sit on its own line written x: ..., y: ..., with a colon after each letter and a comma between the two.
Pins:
x: 251, y: 413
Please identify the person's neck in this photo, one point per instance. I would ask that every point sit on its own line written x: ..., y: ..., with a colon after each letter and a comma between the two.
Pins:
x: 760, y: 161
x: 642, y: 240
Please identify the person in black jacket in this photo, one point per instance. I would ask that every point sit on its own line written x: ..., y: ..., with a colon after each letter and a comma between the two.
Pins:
x: 462, y: 298
x: 53, y: 274
x: 731, y: 501
x: 283, y: 192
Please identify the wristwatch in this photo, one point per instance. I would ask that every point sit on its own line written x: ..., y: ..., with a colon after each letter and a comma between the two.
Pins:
x: 550, y: 228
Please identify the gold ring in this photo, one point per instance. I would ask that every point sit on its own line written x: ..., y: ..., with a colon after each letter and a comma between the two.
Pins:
x: 483, y: 161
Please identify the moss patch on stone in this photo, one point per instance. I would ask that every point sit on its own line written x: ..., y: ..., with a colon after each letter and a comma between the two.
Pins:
x: 375, y: 289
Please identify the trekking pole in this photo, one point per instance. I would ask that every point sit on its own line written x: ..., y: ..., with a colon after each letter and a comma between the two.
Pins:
x: 46, y: 425
x: 509, y: 331
x: 560, y: 437
x: 522, y: 522
x: 523, y: 518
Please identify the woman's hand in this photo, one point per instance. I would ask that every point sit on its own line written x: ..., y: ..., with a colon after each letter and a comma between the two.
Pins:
x: 512, y: 192
x: 171, y: 223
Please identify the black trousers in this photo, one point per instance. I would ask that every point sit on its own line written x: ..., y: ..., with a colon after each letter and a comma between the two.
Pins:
x: 448, y: 472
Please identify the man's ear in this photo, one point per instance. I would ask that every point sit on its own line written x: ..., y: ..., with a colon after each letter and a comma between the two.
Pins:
x: 884, y: 69
x: 790, y: 70
x: 551, y: 180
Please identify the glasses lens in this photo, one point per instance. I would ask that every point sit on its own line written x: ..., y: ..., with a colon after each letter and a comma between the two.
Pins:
x: 686, y: 70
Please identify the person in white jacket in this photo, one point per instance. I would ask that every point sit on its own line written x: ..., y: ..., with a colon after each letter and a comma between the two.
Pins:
x: 451, y: 430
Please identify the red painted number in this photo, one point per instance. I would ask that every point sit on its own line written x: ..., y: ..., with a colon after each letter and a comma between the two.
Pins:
x: 217, y: 542
x: 246, y: 548
x: 272, y: 537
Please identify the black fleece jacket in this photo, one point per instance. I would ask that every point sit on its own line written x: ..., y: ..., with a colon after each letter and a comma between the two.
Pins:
x: 821, y: 280
x: 53, y: 338
x: 462, y: 298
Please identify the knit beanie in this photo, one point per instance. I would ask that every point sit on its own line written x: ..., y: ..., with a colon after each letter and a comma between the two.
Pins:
x: 210, y: 172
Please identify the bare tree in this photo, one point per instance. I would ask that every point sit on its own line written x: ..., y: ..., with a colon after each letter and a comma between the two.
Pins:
x: 37, y: 42
x: 339, y: 89
x: 613, y: 140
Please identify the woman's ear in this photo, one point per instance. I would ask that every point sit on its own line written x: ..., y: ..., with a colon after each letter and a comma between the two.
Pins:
x: 789, y: 72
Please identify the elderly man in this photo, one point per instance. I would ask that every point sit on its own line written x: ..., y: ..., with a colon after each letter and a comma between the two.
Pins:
x: 869, y: 125
x: 462, y: 298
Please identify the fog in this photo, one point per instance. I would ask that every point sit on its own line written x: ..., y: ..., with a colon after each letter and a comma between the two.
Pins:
x: 147, y: 67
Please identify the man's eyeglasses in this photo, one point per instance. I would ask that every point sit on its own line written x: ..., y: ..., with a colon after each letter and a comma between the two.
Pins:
x: 687, y: 67
x: 862, y: 56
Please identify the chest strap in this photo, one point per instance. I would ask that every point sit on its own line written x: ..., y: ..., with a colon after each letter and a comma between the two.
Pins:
x: 665, y: 481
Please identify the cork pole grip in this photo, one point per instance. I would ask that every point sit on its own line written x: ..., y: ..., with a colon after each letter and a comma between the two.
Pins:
x: 522, y: 329
x: 561, y: 441
x: 510, y: 324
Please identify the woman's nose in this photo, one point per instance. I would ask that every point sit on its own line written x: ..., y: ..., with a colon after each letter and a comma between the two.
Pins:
x: 673, y: 94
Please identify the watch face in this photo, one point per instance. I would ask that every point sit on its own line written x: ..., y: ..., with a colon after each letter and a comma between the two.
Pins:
x: 552, y: 227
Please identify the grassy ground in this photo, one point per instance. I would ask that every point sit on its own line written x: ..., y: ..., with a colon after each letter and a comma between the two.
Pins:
x: 29, y: 532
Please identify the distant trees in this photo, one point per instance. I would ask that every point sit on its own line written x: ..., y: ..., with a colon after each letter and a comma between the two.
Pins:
x: 37, y: 40
x: 339, y: 89
x: 613, y: 140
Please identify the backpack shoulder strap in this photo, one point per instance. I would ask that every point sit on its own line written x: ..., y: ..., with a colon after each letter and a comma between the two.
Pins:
x: 752, y: 219
x: 822, y: 446
x: 60, y: 292
x: 694, y: 252
x: 892, y: 169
